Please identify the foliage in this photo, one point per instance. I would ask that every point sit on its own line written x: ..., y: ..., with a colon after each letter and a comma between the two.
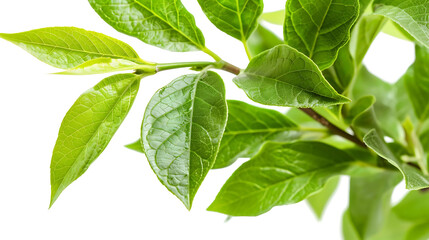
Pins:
x: 340, y: 114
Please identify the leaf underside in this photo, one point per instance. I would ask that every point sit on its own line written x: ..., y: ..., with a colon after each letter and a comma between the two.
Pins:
x: 182, y: 128
x: 89, y: 126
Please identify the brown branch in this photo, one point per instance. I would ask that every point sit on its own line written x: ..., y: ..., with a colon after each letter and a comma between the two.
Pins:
x: 310, y: 112
x: 334, y: 129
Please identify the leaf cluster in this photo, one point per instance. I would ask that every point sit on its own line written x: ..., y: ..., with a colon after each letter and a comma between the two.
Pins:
x: 339, y: 113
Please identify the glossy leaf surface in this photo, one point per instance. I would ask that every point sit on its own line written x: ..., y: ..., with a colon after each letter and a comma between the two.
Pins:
x: 248, y: 128
x: 414, y: 178
x: 88, y: 127
x: 162, y: 23
x: 282, y: 76
x: 320, y: 28
x: 281, y: 173
x: 68, y: 47
x: 409, y: 14
x: 238, y: 18
x: 182, y: 129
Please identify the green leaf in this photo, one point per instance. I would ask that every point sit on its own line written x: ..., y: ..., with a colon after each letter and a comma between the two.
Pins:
x: 282, y: 76
x: 385, y: 103
x: 277, y: 17
x: 403, y: 105
x: 281, y: 173
x: 363, y: 6
x: 88, y: 127
x: 364, y: 33
x: 370, y: 201
x: 68, y: 47
x: 342, y: 72
x: 359, y: 107
x: 393, y: 29
x: 418, y: 85
x: 162, y: 23
x: 414, y: 178
x: 413, y: 207
x: 262, y: 39
x: 248, y: 128
x: 409, y: 14
x: 319, y: 200
x: 106, y: 65
x: 393, y: 229
x: 238, y: 18
x: 419, y: 232
x: 349, y: 230
x: 182, y: 129
x: 136, y: 146
x: 320, y: 28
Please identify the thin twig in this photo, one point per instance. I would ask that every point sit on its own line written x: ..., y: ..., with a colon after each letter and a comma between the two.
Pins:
x: 334, y: 129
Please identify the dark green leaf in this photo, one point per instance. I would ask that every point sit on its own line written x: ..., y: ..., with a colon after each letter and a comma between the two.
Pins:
x: 409, y: 14
x: 282, y: 76
x: 342, y: 72
x: 414, y: 178
x: 136, y: 146
x: 281, y: 173
x: 320, y: 28
x: 413, y: 207
x: 68, y: 47
x: 248, y: 128
x: 182, y: 129
x: 88, y: 127
x: 162, y: 23
x: 370, y: 201
x: 238, y: 18
x: 262, y: 39
x: 319, y: 200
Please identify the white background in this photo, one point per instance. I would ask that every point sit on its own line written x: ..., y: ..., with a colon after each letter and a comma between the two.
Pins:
x: 119, y: 197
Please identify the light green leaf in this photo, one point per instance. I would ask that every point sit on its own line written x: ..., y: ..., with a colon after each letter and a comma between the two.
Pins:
x: 68, y: 47
x: 393, y: 229
x: 349, y: 230
x: 413, y: 207
x: 370, y: 201
x: 282, y: 76
x: 414, y: 178
x: 409, y: 14
x: 136, y: 146
x: 281, y: 173
x: 418, y: 85
x: 238, y: 18
x: 277, y: 17
x: 162, y: 23
x: 364, y: 33
x: 106, y: 65
x: 393, y: 29
x: 385, y: 103
x: 319, y: 200
x: 182, y: 129
x: 403, y: 105
x: 419, y: 232
x: 320, y: 28
x: 88, y: 127
x: 363, y: 6
x: 262, y: 39
x: 248, y: 128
